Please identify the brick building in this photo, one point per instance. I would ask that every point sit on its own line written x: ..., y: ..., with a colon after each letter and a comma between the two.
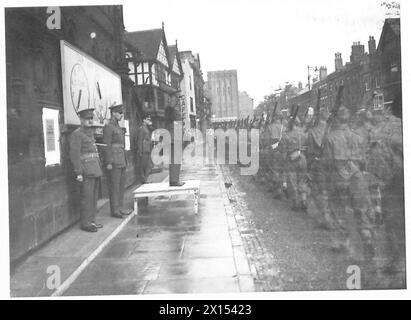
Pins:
x: 42, y: 196
x: 371, y: 79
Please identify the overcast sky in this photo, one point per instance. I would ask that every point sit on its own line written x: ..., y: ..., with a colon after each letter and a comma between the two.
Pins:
x: 267, y: 41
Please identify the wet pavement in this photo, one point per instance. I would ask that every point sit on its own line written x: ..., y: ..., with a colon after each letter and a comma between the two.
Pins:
x: 63, y: 255
x: 168, y: 248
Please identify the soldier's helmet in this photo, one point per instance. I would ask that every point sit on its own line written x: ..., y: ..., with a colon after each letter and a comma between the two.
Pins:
x: 86, y: 113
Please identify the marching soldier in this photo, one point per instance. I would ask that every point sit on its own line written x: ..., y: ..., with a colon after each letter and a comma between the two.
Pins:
x: 87, y: 168
x: 296, y: 165
x: 348, y: 187
x: 317, y: 168
x: 144, y: 148
x: 276, y: 161
x: 115, y: 160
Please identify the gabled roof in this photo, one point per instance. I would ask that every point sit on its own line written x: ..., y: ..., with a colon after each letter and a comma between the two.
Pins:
x: 147, y: 41
x: 173, y: 51
x: 390, y: 24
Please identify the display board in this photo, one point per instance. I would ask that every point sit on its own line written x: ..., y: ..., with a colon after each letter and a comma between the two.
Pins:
x: 51, y: 134
x: 87, y: 83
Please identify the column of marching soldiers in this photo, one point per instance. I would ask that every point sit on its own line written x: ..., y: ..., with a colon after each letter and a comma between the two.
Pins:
x: 344, y: 166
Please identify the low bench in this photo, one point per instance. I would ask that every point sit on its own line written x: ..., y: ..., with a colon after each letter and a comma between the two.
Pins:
x: 163, y: 189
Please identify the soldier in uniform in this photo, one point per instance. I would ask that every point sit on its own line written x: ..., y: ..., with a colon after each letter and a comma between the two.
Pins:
x: 115, y: 161
x: 317, y: 169
x: 348, y: 187
x: 276, y: 161
x: 171, y: 117
x: 87, y: 168
x: 292, y: 146
x: 144, y: 147
x: 385, y: 165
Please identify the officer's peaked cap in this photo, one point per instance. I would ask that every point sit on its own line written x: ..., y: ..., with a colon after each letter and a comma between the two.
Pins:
x: 116, y: 107
x: 86, y: 113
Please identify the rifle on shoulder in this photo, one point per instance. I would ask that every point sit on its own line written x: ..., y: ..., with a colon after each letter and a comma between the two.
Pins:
x: 333, y: 115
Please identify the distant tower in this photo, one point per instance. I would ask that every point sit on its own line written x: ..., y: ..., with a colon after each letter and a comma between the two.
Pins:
x: 223, y: 87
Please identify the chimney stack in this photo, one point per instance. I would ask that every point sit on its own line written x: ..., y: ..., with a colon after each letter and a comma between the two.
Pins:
x: 372, y: 48
x: 323, y: 72
x: 357, y: 52
x: 338, y: 62
x: 300, y: 85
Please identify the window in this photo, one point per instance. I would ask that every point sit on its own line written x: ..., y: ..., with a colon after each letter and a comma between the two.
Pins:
x: 378, y: 101
x: 143, y: 73
x: 367, y: 83
x: 377, y: 81
x: 394, y: 67
x: 191, y: 104
x: 190, y: 83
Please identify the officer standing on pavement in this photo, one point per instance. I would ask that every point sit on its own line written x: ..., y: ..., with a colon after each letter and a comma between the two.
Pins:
x: 144, y: 147
x: 115, y: 160
x: 87, y: 168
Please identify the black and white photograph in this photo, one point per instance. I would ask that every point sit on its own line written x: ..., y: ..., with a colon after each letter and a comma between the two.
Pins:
x: 204, y: 147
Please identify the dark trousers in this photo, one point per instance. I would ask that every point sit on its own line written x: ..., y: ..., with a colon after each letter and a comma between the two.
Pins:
x: 88, y: 200
x: 174, y: 168
x: 116, y: 182
x: 145, y: 166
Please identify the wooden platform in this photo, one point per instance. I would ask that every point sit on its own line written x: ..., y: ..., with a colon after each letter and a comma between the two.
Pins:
x: 163, y: 189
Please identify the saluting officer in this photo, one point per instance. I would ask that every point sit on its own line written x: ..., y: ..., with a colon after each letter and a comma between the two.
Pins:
x: 87, y: 168
x: 115, y: 160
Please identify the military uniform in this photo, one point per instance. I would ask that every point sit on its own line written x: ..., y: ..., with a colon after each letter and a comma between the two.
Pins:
x: 349, y: 188
x: 385, y: 166
x: 114, y: 138
x: 318, y: 174
x: 275, y: 158
x: 86, y: 162
x: 144, y: 152
x: 296, y: 167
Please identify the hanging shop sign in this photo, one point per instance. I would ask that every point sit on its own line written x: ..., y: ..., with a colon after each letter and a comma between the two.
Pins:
x: 87, y: 84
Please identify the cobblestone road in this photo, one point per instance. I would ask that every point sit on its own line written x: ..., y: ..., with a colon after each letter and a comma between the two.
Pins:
x: 285, y: 249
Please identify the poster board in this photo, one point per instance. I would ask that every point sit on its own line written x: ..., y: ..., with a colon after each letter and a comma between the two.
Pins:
x: 87, y: 83
x: 51, y: 134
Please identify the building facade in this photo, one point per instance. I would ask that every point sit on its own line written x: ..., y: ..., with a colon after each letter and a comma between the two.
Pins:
x: 150, y: 69
x: 371, y: 79
x: 389, y: 48
x: 42, y: 194
x: 223, y: 87
x: 246, y: 104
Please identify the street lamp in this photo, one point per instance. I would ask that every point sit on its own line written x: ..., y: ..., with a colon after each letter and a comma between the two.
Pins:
x: 315, y: 69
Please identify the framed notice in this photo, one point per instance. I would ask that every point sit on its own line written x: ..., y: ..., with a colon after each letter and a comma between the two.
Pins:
x: 87, y: 83
x: 51, y: 134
